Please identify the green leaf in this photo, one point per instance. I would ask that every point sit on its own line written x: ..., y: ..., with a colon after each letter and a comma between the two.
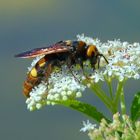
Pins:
x: 135, y: 107
x: 84, y: 108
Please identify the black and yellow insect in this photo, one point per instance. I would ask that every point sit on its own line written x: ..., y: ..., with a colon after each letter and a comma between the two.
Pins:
x: 63, y: 52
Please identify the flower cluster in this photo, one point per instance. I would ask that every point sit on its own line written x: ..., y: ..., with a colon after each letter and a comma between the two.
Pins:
x: 124, y: 63
x: 61, y: 85
x: 123, y: 57
x: 119, y: 129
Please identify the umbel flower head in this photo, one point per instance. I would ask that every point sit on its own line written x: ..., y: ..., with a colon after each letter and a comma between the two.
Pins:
x: 64, y: 84
x: 119, y: 129
x: 123, y: 57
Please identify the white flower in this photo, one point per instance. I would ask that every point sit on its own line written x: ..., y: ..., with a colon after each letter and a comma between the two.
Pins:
x: 37, y: 97
x: 97, y: 77
x: 62, y: 86
x: 87, y: 126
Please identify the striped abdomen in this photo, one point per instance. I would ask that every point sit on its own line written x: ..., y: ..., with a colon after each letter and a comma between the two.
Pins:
x: 34, y: 76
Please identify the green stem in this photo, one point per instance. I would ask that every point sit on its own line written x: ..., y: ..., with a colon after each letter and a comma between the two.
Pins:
x: 101, y: 95
x: 109, y: 83
x: 110, y: 89
x: 122, y: 102
x: 117, y: 95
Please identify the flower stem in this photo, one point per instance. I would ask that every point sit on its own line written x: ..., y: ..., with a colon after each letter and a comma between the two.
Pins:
x: 120, y: 96
x: 102, y: 96
x: 122, y: 102
x: 109, y: 83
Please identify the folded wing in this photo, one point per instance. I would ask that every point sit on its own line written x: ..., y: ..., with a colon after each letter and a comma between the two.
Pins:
x: 56, y: 48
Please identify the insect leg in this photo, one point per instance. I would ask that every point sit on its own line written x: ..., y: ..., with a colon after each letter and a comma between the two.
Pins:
x: 69, y: 67
x: 82, y: 67
x: 48, y: 71
x: 98, y: 62
x: 80, y: 62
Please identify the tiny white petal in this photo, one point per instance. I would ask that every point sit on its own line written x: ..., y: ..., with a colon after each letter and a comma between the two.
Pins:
x: 64, y: 98
x: 69, y: 92
x: 78, y: 94
x: 87, y: 126
x: 53, y: 103
x: 48, y: 102
x: 63, y: 93
x: 38, y: 105
x: 31, y: 108
x: 88, y: 85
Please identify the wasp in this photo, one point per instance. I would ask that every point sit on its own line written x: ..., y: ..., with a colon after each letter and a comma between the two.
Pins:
x: 63, y: 52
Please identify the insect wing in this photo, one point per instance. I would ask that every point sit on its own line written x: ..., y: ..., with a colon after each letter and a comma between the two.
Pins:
x: 56, y: 48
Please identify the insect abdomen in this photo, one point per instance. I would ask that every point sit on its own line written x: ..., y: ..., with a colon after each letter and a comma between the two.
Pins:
x: 30, y: 82
x: 34, y: 76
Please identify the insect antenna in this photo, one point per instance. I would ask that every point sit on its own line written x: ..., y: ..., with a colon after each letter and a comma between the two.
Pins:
x: 99, y: 56
x: 104, y: 58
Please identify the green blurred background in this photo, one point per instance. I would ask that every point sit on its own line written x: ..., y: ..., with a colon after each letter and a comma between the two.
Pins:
x: 27, y: 24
